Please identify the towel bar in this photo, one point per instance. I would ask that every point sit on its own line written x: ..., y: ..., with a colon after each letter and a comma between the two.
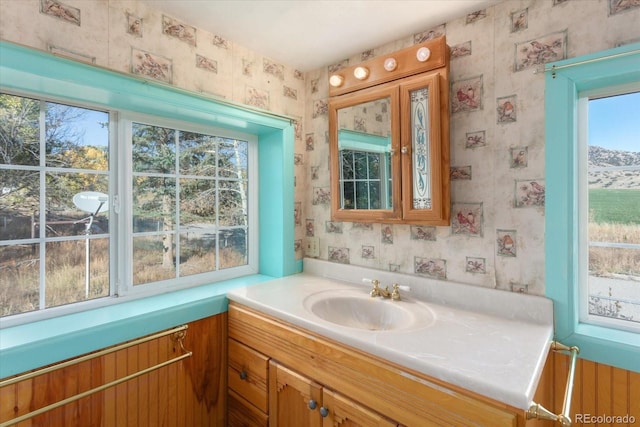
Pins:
x: 537, y: 411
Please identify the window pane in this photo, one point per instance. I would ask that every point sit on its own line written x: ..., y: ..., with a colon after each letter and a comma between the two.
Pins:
x: 197, y: 253
x: 362, y: 195
x: 19, y: 204
x: 348, y: 198
x: 614, y: 207
x: 233, y: 203
x: 76, y: 137
x: 374, y: 194
x: 76, y: 204
x: 233, y: 248
x: 153, y: 259
x: 346, y: 163
x: 374, y: 165
x: 153, y: 149
x: 197, y: 154
x: 76, y: 270
x: 19, y: 279
x: 361, y: 166
x: 19, y: 130
x: 233, y: 159
x: 72, y: 202
x: 153, y: 204
x: 197, y: 202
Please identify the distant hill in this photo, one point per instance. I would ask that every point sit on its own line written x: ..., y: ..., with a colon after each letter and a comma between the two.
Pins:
x: 610, y: 176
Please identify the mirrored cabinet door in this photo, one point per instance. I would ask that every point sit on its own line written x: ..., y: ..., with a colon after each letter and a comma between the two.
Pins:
x: 389, y: 138
x: 424, y: 151
x: 364, y: 132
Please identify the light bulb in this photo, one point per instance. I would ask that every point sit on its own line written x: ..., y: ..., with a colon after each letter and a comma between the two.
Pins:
x: 336, y: 80
x: 361, y: 73
x: 390, y: 64
x: 423, y: 54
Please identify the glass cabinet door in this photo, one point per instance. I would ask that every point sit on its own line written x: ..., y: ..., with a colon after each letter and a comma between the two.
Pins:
x: 424, y: 150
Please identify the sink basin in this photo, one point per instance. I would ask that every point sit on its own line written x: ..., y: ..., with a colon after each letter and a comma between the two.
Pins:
x: 356, y: 309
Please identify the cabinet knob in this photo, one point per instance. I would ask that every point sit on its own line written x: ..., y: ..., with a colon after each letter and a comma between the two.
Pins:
x: 243, y: 375
x: 404, y: 150
x: 324, y: 412
x: 313, y: 404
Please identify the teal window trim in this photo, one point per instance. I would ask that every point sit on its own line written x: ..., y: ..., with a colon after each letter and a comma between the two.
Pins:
x: 564, y: 81
x: 30, y: 71
x: 360, y: 141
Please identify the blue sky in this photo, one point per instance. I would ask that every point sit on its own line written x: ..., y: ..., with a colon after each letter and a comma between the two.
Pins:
x: 614, y: 122
x: 95, y: 134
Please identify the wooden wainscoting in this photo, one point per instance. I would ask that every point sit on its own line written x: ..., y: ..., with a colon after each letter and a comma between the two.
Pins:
x: 598, y: 390
x: 190, y: 392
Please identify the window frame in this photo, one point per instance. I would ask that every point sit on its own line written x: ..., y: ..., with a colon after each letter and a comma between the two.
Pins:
x: 125, y: 282
x: 29, y: 72
x: 564, y: 83
x: 583, y: 99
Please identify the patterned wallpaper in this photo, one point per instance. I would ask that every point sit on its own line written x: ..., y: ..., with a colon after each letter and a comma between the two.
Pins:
x: 496, y: 238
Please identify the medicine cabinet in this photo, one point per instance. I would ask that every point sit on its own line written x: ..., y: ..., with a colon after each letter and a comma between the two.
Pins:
x: 389, y: 138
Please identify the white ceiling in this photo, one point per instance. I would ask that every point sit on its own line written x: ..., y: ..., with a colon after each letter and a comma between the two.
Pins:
x: 309, y: 34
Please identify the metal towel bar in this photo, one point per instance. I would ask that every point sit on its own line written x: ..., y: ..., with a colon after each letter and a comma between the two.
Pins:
x: 537, y: 411
x: 179, y: 334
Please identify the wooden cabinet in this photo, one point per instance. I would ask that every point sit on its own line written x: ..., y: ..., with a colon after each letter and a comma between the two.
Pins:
x: 298, y: 401
x: 389, y: 139
x: 356, y: 388
x: 263, y: 392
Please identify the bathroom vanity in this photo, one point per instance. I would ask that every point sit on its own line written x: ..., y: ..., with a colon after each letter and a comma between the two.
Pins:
x: 311, y: 347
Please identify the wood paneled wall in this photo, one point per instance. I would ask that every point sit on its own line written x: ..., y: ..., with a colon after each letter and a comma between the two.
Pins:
x: 598, y: 390
x: 191, y: 392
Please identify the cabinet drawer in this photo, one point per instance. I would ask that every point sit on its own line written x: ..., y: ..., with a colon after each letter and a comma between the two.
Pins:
x: 248, y: 373
x: 243, y: 414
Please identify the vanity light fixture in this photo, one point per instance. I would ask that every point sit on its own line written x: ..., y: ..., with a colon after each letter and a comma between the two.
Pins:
x: 390, y: 64
x: 336, y: 80
x: 361, y: 73
x: 423, y: 54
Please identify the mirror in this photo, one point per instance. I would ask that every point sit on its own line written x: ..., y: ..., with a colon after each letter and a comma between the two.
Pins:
x: 389, y: 139
x: 364, y: 146
x: 363, y: 159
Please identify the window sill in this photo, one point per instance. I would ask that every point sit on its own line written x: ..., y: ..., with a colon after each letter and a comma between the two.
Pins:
x: 605, y: 345
x: 30, y: 346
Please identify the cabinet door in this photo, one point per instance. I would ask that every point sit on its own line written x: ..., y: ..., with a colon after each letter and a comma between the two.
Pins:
x: 425, y: 150
x: 344, y: 412
x: 294, y: 401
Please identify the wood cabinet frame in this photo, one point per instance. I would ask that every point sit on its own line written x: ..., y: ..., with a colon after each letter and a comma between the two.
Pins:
x: 398, y: 85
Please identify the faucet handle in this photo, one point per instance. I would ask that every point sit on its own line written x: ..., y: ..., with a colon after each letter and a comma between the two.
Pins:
x: 395, y: 293
x: 375, y: 282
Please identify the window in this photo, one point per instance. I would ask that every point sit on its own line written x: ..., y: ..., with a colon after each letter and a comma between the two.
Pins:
x: 610, y: 208
x: 365, y: 179
x: 190, y: 203
x: 177, y: 198
x: 604, y: 326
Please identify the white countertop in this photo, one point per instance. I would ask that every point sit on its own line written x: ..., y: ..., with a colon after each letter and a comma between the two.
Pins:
x: 491, y: 342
